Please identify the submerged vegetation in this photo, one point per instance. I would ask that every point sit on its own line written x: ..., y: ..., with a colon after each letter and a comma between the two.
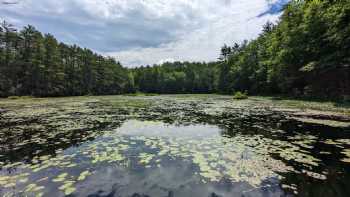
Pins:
x: 306, y: 54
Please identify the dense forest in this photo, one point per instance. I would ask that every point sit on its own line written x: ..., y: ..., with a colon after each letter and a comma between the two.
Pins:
x: 38, y: 65
x: 177, y: 77
x: 306, y: 54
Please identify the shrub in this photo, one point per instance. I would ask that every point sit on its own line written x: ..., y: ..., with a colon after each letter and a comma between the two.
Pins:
x: 239, y: 95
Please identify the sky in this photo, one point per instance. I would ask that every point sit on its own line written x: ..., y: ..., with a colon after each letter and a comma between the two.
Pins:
x: 146, y: 32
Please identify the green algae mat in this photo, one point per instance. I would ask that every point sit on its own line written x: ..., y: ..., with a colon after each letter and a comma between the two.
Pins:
x: 173, y: 145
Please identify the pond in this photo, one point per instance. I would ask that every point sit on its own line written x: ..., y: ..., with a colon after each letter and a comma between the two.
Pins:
x: 168, y: 146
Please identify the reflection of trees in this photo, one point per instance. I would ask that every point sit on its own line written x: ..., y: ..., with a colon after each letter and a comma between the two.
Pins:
x: 56, y: 137
x: 336, y: 184
x: 251, y: 124
x: 230, y: 123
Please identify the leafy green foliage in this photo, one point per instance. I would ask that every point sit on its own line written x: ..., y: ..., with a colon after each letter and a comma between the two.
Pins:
x: 38, y: 65
x: 239, y: 95
x: 177, y: 77
x: 306, y: 54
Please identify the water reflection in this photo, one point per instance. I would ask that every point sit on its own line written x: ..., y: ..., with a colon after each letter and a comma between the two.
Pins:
x: 91, y: 149
x: 161, y: 129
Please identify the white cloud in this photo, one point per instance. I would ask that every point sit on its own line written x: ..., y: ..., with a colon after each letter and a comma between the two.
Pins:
x: 225, y: 22
x: 146, y: 31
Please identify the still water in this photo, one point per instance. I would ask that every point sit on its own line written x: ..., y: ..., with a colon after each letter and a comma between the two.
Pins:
x: 167, y: 148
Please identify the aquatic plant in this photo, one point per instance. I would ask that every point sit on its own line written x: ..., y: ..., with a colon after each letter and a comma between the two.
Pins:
x: 60, y: 144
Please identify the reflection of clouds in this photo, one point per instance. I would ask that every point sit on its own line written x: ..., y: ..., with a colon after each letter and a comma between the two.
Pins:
x: 173, y: 178
x: 160, y: 129
x: 247, y: 162
x: 239, y: 159
x: 104, y: 181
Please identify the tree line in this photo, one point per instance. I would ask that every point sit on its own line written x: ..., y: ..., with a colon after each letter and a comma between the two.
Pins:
x: 305, y: 54
x: 177, y: 77
x: 39, y: 65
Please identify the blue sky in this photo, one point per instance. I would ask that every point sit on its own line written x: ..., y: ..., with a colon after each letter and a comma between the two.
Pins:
x: 140, y: 32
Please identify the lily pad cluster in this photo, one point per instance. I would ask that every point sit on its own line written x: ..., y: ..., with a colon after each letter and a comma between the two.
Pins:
x: 56, y: 145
